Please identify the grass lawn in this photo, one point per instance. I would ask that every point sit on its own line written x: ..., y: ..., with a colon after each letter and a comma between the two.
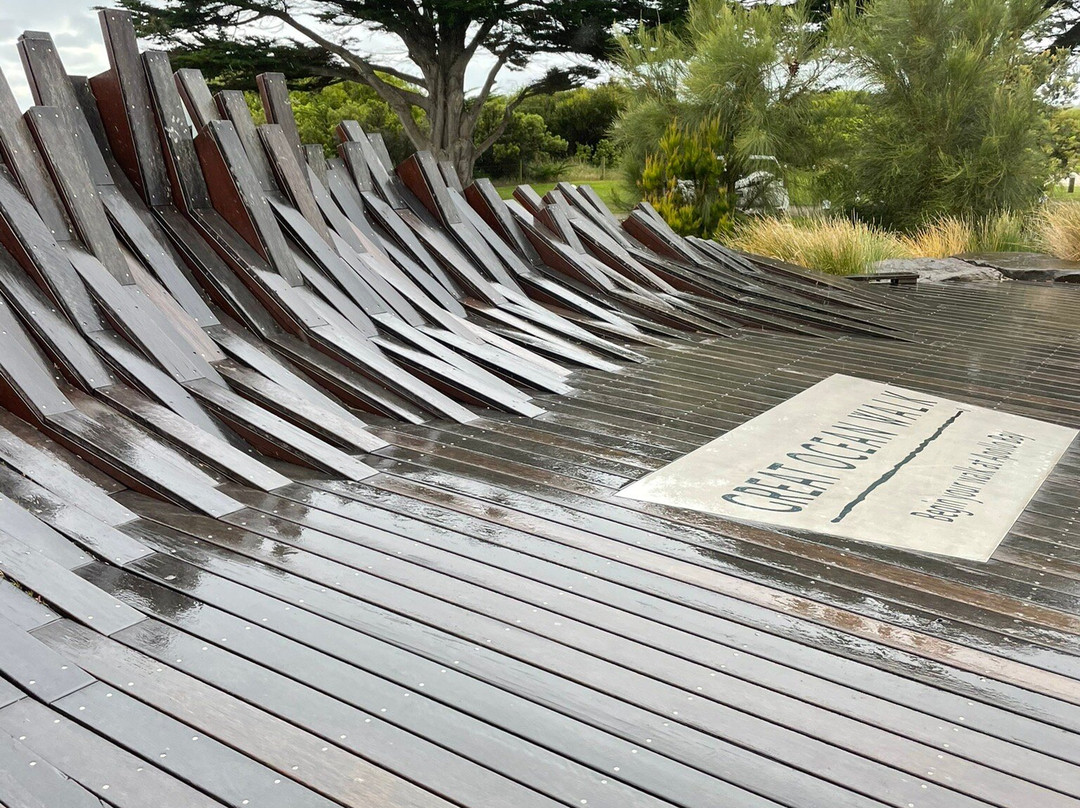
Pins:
x: 610, y: 191
x: 1060, y: 193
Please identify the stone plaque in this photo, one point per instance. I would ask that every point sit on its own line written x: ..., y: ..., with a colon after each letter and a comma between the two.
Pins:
x: 873, y: 462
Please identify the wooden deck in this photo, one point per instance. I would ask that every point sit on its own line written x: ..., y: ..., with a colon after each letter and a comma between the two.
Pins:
x: 481, y: 624
x: 307, y: 492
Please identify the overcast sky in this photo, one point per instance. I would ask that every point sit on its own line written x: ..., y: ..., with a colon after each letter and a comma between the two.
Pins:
x: 74, y: 27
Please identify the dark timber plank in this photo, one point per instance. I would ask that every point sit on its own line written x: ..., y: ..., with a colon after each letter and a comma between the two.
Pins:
x: 275, y: 100
x: 96, y: 764
x: 140, y: 136
x: 69, y: 171
x: 27, y: 780
x: 190, y: 756
x: 35, y: 667
x: 22, y: 610
x: 63, y: 589
x: 294, y: 752
x: 445, y: 685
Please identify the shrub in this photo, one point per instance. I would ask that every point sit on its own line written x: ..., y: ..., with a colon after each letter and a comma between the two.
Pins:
x: 942, y: 237
x: 526, y: 142
x: 1057, y: 230
x: 685, y: 181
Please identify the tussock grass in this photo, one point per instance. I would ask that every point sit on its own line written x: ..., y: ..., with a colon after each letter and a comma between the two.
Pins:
x: 952, y: 235
x: 1057, y: 230
x: 837, y: 246
x: 848, y: 247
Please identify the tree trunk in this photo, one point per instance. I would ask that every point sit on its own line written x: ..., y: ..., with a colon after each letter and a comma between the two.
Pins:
x: 450, y: 129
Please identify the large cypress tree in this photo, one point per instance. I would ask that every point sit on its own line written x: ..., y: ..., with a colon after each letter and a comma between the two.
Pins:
x: 316, y: 42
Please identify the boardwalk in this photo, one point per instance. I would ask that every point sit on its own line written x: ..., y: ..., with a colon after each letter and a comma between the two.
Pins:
x: 308, y: 493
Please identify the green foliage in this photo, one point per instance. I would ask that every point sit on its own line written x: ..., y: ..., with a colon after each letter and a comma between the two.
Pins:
x: 745, y: 73
x: 1064, y: 143
x: 583, y: 117
x: 835, y: 122
x: 686, y: 183
x: 525, y: 142
x: 318, y: 112
x: 955, y: 120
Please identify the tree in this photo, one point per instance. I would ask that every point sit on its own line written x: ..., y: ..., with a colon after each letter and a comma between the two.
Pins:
x: 834, y: 130
x: 955, y: 122
x: 319, y: 42
x: 583, y: 117
x: 524, y: 141
x: 737, y: 79
x: 318, y: 112
x: 1065, y: 140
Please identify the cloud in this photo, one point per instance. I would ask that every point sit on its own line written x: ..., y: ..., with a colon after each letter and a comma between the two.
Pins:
x: 74, y: 27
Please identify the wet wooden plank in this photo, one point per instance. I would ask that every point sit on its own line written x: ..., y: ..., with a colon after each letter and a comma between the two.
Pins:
x: 407, y: 241
x: 22, y: 610
x: 196, y: 96
x: 892, y: 635
x: 138, y: 140
x: 144, y: 236
x: 31, y: 390
x: 329, y: 262
x: 146, y: 377
x: 99, y: 766
x: 458, y: 383
x: 64, y: 516
x: 62, y: 589
x: 270, y: 430
x: 423, y: 540
x: 275, y: 100
x: 139, y: 320
x: 21, y: 157
x: 233, y: 107
x: 27, y: 780
x: 292, y: 176
x: 386, y: 184
x: 35, y: 667
x: 35, y: 248
x: 295, y: 753
x: 58, y: 454
x: 238, y: 197
x: 673, y: 733
x: 315, y: 158
x: 450, y: 692
x: 51, y: 87
x: 181, y: 163
x: 55, y: 332
x: 235, y: 462
x: 71, y: 175
x: 24, y: 525
x: 139, y: 460
x: 334, y: 426
x: 189, y: 755
x: 244, y: 347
